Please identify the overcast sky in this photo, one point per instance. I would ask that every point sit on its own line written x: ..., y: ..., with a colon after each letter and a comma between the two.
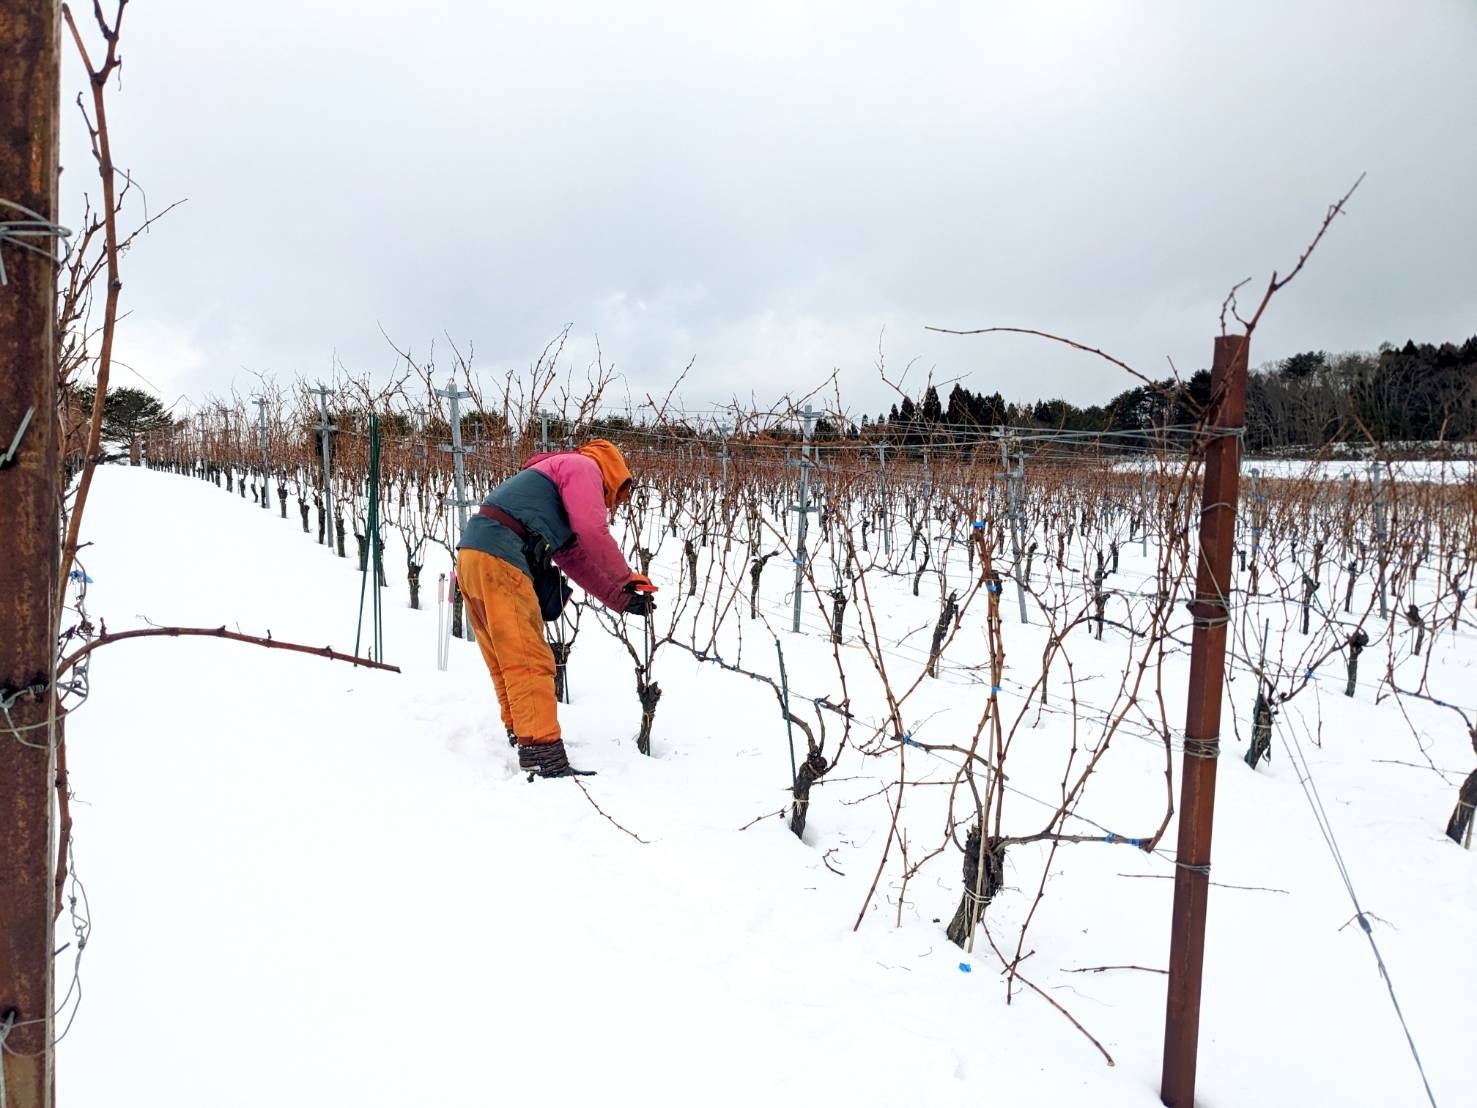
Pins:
x: 767, y: 188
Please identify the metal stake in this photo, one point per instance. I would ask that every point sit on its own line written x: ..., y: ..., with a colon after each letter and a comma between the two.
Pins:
x: 324, y: 429
x: 261, y: 430
x: 804, y: 509
x: 1380, y: 535
x: 455, y: 396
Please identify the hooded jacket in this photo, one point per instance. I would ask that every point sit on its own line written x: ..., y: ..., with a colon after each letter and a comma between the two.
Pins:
x: 564, y: 499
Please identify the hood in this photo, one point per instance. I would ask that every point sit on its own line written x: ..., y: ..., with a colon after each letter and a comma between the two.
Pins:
x: 613, y: 469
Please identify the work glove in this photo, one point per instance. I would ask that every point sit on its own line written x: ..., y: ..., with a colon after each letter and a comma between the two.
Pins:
x: 640, y: 601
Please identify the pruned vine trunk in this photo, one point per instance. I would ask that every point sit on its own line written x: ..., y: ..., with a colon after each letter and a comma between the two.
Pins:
x: 560, y: 650
x: 941, y: 632
x: 811, y: 770
x: 979, y: 889
x: 413, y: 579
x: 1459, y: 826
x: 756, y: 570
x: 838, y: 613
x: 923, y: 565
x: 648, y: 692
x: 1261, y: 730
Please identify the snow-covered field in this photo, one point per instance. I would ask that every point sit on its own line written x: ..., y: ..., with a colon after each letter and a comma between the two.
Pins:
x: 315, y: 884
x: 1445, y: 471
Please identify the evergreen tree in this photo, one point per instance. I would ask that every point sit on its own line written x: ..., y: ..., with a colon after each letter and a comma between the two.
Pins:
x: 129, y: 414
x: 933, y: 411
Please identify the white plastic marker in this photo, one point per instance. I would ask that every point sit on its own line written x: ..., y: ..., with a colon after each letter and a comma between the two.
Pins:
x: 443, y: 630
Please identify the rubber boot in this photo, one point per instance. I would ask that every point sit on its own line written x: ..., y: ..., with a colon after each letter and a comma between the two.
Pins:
x: 547, y: 760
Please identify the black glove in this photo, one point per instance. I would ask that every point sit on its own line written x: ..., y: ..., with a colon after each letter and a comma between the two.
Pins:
x: 641, y: 602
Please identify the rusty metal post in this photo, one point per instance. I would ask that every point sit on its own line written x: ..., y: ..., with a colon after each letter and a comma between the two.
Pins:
x: 1211, y: 611
x: 30, y: 541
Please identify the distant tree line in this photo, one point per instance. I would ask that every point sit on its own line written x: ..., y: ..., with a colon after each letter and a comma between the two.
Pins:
x: 1414, y: 393
x: 1417, y: 393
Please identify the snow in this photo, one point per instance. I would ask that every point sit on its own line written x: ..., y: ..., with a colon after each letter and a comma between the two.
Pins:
x: 1440, y: 471
x: 311, y: 883
x: 1341, y: 470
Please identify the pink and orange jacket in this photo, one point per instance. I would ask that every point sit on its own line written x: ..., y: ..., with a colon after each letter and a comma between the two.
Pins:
x: 564, y: 498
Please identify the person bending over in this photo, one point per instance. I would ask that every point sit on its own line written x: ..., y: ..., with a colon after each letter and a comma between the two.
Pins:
x: 556, y: 506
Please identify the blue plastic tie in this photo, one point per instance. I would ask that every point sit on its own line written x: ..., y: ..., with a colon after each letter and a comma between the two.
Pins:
x: 908, y: 739
x: 989, y: 587
x: 977, y: 525
x: 995, y: 688
x: 965, y: 967
x: 78, y: 575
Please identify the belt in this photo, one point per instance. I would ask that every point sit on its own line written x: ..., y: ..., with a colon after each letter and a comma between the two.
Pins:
x: 497, y: 515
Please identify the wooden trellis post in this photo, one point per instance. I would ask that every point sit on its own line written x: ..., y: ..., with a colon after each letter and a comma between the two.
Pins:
x: 30, y: 543
x: 1211, y: 612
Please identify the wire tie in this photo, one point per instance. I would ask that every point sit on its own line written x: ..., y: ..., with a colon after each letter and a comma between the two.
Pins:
x: 1203, y: 748
x: 17, y: 231
x: 908, y: 739
x: 9, y: 455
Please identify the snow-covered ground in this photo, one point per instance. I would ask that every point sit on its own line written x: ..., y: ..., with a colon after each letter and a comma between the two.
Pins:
x: 1445, y: 471
x: 315, y: 884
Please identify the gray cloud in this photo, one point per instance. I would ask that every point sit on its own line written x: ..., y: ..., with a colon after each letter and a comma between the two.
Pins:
x: 766, y: 187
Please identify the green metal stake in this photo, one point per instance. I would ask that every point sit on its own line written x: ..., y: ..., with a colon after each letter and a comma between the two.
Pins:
x: 789, y: 727
x: 375, y: 560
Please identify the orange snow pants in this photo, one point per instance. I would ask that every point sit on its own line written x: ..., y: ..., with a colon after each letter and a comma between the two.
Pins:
x: 501, y: 604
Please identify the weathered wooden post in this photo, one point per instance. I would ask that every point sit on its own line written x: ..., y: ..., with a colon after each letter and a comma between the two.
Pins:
x: 1211, y: 612
x: 30, y: 542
